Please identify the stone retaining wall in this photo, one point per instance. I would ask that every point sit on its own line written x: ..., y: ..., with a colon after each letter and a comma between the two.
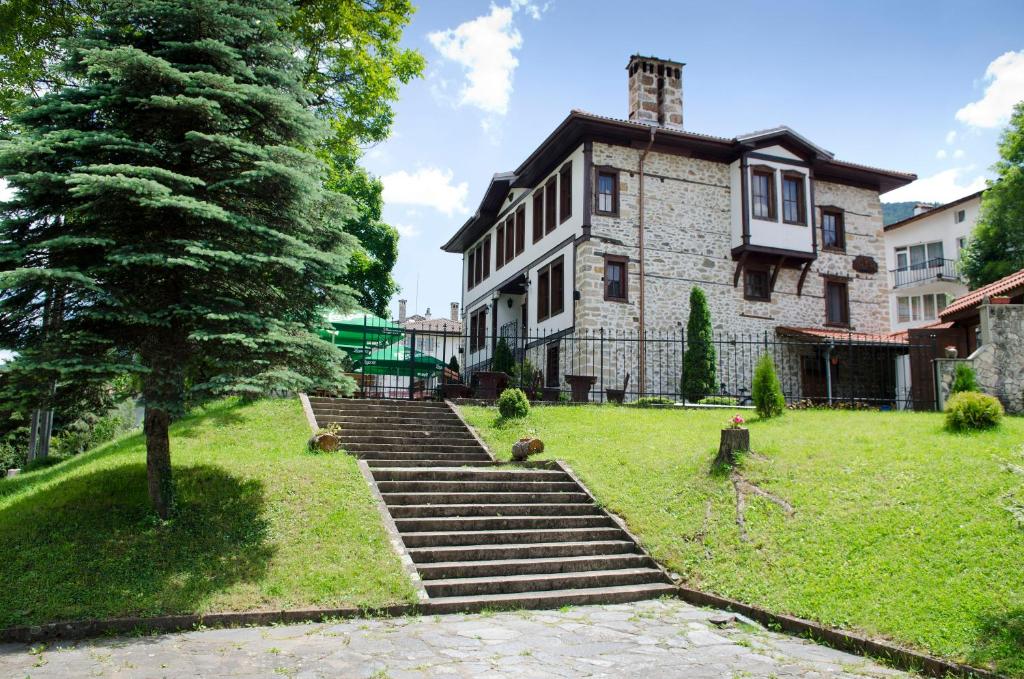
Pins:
x: 998, y: 362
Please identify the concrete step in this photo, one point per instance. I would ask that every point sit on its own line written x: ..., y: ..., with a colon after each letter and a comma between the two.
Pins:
x: 393, y: 403
x: 485, y: 523
x: 551, y: 599
x: 500, y: 567
x: 424, y: 511
x: 495, y: 473
x: 482, y: 498
x: 405, y: 442
x: 477, y: 454
x: 477, y: 486
x: 383, y: 411
x: 506, y: 584
x: 431, y: 462
x: 505, y: 537
x: 388, y: 416
x: 410, y: 447
x: 535, y: 550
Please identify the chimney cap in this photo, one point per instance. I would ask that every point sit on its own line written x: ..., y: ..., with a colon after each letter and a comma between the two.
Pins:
x: 659, y: 60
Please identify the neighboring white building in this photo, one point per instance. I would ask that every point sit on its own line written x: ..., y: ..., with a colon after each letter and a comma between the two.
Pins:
x: 921, y: 255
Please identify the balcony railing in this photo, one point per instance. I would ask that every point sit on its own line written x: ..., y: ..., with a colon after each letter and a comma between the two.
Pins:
x: 925, y: 272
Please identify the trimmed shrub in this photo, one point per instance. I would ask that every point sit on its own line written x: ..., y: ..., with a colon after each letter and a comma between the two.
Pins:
x: 698, y: 379
x: 719, y: 401
x: 972, y: 410
x: 453, y: 364
x: 513, y: 404
x: 766, y: 390
x: 503, y: 361
x: 964, y: 379
x: 645, y: 401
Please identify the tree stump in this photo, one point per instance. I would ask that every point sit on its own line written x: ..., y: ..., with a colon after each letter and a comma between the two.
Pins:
x: 325, y: 442
x: 733, y: 441
x: 524, y: 448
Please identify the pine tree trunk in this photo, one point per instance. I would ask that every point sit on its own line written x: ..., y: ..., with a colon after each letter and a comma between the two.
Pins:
x: 158, y: 461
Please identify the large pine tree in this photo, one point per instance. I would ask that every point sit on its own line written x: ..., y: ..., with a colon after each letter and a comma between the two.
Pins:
x: 171, y: 203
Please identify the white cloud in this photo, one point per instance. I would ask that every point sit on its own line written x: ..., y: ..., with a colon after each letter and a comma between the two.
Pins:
x: 427, y: 186
x: 483, y: 47
x: 407, y: 230
x: 950, y: 137
x: 959, y: 153
x: 533, y: 10
x: 940, y: 154
x: 942, y: 187
x: 1005, y: 88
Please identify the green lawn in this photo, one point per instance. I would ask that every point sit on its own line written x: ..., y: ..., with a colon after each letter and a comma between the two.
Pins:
x: 901, y: 530
x: 262, y: 524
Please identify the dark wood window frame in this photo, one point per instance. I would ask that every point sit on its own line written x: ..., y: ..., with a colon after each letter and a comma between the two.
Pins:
x: 500, y: 246
x: 748, y: 273
x: 478, y: 330
x: 510, y: 238
x: 538, y: 215
x: 550, y: 204
x: 520, y: 230
x: 551, y: 289
x: 622, y: 263
x: 840, y: 229
x: 565, y: 193
x: 769, y: 173
x: 471, y: 270
x: 844, y: 309
x: 801, y: 200
x: 614, y: 195
x: 486, y: 253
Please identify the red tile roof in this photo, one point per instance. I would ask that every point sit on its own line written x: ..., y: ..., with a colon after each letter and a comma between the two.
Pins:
x: 1012, y: 283
x: 844, y: 335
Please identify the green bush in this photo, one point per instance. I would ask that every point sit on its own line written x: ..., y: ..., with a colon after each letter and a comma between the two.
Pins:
x: 652, y: 401
x: 503, y: 361
x: 766, y: 390
x: 513, y: 404
x: 453, y: 364
x: 719, y: 401
x: 964, y: 379
x: 11, y: 457
x: 971, y: 410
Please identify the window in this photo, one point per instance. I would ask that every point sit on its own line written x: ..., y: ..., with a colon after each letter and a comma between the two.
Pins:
x: 486, y: 252
x: 550, y: 198
x: 510, y: 239
x: 920, y: 307
x: 500, y: 246
x: 762, y: 193
x: 520, y: 230
x: 565, y: 196
x: 959, y: 216
x: 551, y: 378
x: 757, y: 285
x: 471, y: 270
x: 551, y: 289
x: 478, y: 329
x: 833, y: 231
x: 793, y: 206
x: 616, y: 272
x: 479, y: 264
x: 607, y: 192
x: 921, y: 256
x: 837, y: 303
x: 961, y: 244
x: 538, y: 215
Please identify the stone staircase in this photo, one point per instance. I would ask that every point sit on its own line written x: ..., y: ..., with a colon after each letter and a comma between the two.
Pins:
x: 483, y: 534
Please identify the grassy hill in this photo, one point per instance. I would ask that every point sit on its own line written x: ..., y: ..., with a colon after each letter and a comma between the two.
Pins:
x: 898, y: 529
x: 262, y: 523
x: 895, y: 212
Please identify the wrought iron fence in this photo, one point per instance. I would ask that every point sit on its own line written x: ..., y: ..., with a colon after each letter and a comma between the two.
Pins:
x: 922, y: 272
x: 601, y: 366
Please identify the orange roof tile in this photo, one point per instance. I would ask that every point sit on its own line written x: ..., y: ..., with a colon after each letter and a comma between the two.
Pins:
x: 844, y: 335
x: 973, y: 298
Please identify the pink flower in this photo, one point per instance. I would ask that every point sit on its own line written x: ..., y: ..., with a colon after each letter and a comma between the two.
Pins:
x: 737, y: 421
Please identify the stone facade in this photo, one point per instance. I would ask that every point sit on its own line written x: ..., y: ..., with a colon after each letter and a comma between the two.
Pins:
x: 998, y: 362
x: 688, y: 212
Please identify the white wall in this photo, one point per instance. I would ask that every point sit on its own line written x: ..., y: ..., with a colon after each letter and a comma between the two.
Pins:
x: 772, y: 234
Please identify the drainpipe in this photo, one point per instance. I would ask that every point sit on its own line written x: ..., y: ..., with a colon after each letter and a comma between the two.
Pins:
x: 640, y: 256
x: 829, y: 346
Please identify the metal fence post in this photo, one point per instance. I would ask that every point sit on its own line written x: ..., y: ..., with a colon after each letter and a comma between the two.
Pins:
x: 412, y: 365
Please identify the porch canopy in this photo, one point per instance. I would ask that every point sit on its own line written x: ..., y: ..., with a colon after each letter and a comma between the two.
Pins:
x: 841, y: 337
x: 396, y: 360
x: 360, y: 333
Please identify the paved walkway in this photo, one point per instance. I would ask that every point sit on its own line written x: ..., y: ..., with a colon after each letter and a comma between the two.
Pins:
x: 650, y: 639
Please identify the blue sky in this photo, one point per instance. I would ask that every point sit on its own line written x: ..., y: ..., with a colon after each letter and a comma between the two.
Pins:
x: 916, y: 86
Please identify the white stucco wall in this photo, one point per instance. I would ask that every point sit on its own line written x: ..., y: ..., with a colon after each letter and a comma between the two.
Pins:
x: 767, y: 233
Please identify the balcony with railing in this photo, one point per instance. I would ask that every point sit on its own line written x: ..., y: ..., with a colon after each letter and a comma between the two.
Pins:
x: 927, y: 271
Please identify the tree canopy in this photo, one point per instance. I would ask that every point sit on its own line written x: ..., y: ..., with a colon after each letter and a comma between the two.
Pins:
x: 171, y: 205
x: 996, y: 248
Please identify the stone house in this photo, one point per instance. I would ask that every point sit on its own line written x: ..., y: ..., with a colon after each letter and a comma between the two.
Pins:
x: 608, y: 224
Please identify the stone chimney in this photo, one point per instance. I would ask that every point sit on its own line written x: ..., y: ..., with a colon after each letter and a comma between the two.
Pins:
x: 655, y: 91
x: 921, y: 208
x: 455, y: 311
x: 426, y: 316
x: 401, y: 310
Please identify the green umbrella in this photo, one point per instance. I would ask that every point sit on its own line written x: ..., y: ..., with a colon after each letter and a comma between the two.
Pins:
x: 360, y: 333
x: 395, y: 360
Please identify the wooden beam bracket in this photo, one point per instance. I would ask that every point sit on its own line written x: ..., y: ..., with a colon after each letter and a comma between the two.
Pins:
x: 803, y: 276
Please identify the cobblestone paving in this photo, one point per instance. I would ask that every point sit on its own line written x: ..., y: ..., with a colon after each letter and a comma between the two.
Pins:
x: 650, y: 639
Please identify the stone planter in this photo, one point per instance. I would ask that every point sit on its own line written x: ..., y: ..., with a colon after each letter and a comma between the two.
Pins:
x: 454, y: 390
x: 950, y: 352
x: 491, y: 384
x: 734, y: 441
x: 11, y: 473
x: 550, y: 394
x: 580, y: 385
